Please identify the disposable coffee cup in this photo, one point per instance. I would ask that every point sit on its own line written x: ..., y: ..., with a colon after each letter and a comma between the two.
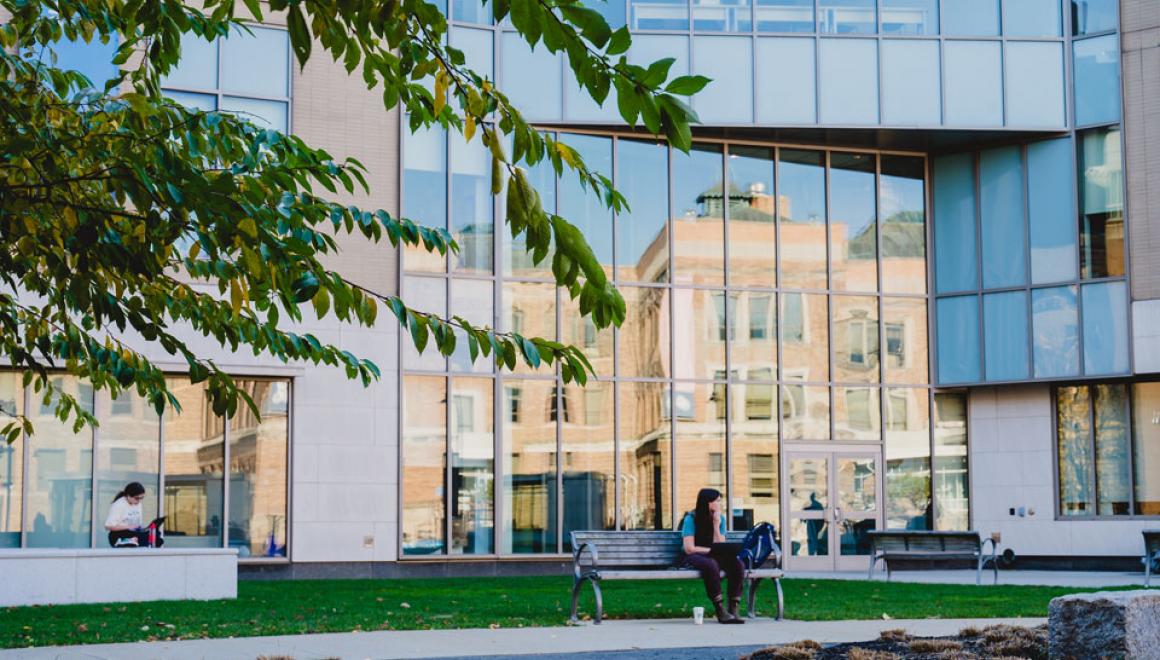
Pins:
x: 698, y: 615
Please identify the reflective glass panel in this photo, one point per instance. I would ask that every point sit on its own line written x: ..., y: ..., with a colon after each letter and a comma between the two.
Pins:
x: 1101, y: 235
x: 194, y: 469
x: 972, y: 81
x: 801, y: 209
x: 423, y: 469
x: 784, y: 15
x: 256, y: 64
x: 128, y: 451
x: 198, y: 68
x: 430, y: 295
x: 1050, y: 190
x: 904, y: 343
x: 658, y: 14
x: 472, y: 225
x: 1005, y: 335
x: 583, y: 207
x: 529, y: 457
x: 857, y: 414
x: 471, y: 300
x: 611, y: 10
x: 263, y: 114
x: 902, y: 200
x: 755, y: 492
x: 970, y: 18
x: 855, y: 333
x: 1105, y: 328
x: 531, y: 77
x: 808, y: 492
x: 956, y: 265
x: 952, y: 506
x: 1097, y: 80
x: 258, y: 470
x: 1031, y: 18
x: 908, y: 477
x: 728, y: 61
x: 722, y: 16
x: 856, y: 480
x: 471, y: 11
x: 699, y: 216
x: 1146, y: 447
x: 805, y: 348
x: 93, y: 59
x: 1034, y: 79
x: 753, y: 351
x: 958, y: 339
x: 853, y: 223
x: 645, y: 455
x: 848, y: 77
x: 581, y: 331
x: 1002, y: 216
x: 1090, y: 16
x: 589, y: 449
x: 793, y: 100
x: 644, y: 335
x: 700, y: 443
x: 1073, y: 424
x: 424, y: 197
x: 203, y: 102
x: 1055, y: 332
x: 529, y: 309
x: 472, y: 466
x: 700, y: 330
x: 477, y: 47
x: 11, y: 462
x: 752, y: 210
x: 60, y: 473
x: 909, y: 16
x: 805, y: 412
x: 910, y: 82
x: 847, y: 16
x: 1113, y: 451
x: 642, y: 236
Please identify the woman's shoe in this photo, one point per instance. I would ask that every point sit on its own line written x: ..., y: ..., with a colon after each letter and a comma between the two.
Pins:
x: 724, y: 616
x: 734, y: 607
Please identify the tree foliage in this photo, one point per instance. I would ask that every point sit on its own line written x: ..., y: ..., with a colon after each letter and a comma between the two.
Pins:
x: 127, y: 218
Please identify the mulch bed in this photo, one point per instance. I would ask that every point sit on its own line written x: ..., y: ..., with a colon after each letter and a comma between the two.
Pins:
x: 992, y: 643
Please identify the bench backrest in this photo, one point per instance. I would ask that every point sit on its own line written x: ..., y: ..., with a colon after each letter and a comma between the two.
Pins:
x: 639, y: 549
x: 926, y: 542
x: 1152, y: 541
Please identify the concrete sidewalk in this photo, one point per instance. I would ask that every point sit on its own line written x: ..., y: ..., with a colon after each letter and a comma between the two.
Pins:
x: 610, y: 636
x: 1080, y: 579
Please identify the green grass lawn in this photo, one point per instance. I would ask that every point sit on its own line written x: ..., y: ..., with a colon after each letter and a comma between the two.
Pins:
x: 293, y: 607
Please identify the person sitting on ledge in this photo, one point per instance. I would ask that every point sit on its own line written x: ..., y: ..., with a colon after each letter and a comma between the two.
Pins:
x: 124, y: 522
x: 703, y: 533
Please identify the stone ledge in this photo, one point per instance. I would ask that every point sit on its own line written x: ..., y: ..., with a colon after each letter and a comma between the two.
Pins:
x: 1105, y: 624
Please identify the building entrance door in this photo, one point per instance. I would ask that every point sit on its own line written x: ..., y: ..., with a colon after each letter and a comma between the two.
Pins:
x: 834, y: 498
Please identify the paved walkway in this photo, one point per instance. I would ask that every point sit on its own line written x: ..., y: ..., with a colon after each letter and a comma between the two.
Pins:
x: 1085, y: 579
x: 610, y: 636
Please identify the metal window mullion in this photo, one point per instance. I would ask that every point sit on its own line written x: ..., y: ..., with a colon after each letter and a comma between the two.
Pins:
x: 1028, y: 271
x: 226, y: 433
x: 1093, y: 471
x: 94, y: 437
x: 976, y: 161
x: 161, y: 466
x: 830, y: 395
x: 730, y: 337
x: 1129, y: 391
x: 561, y: 415
x: 25, y: 463
x: 931, y: 421
x: 448, y: 458
x: 671, y: 379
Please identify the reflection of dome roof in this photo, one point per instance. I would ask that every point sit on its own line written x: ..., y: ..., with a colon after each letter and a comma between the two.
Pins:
x: 716, y: 192
x: 903, y: 235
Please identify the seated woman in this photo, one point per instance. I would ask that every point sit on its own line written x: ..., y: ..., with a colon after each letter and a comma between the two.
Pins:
x: 703, y: 532
x: 124, y: 522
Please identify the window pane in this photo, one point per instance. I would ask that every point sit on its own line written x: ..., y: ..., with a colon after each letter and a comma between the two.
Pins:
x: 471, y: 300
x: 952, y: 506
x: 752, y: 231
x: 785, y: 15
x: 956, y: 265
x: 972, y: 18
x: 793, y: 99
x: 256, y: 64
x: 194, y: 461
x: 1101, y: 234
x: 1005, y: 335
x: 659, y: 14
x: 1090, y: 16
x: 728, y: 61
x: 430, y: 295
x: 203, y: 102
x: 958, y: 339
x: 258, y: 464
x: 849, y: 81
x: 127, y: 452
x: 11, y: 463
x: 1002, y: 203
x: 1050, y: 187
x: 698, y: 216
x: 805, y: 412
x: 808, y: 491
x: 804, y: 337
x: 1031, y: 18
x: 472, y: 466
x: 700, y: 435
x: 801, y: 210
x: 92, y: 59
x: 754, y: 341
x: 529, y: 308
x: 726, y: 16
x: 1055, y: 332
x: 855, y: 332
x: 589, y: 478
x: 857, y: 414
x: 583, y: 207
x: 517, y: 259
x: 1073, y: 423
x: 198, y: 68
x: 529, y: 456
x: 642, y: 237
x: 423, y: 469
x: 60, y: 466
x: 972, y: 82
x: 581, y: 331
x: 1146, y: 447
x: 902, y: 200
x: 1105, y: 328
x: 847, y: 16
x: 1034, y: 84
x: 531, y: 77
x: 263, y: 114
x: 472, y: 226
x: 471, y: 11
x: 1113, y: 471
x: 908, y: 478
x: 425, y: 191
x: 611, y: 10
x: 905, y: 344
x: 645, y: 446
x: 1097, y: 80
x: 909, y: 16
x: 754, y: 496
x: 853, y: 223
x: 477, y: 46
x: 910, y: 82
x: 699, y: 331
x: 644, y: 335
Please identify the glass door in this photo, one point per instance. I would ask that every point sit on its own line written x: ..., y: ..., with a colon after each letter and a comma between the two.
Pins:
x: 833, y: 501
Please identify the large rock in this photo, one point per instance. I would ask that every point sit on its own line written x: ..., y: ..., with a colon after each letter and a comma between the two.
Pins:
x: 1105, y: 624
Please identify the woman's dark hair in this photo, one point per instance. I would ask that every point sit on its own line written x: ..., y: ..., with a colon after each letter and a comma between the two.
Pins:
x: 131, y: 489
x: 703, y: 518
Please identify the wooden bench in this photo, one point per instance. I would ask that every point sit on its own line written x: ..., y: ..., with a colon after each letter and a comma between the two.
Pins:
x: 1151, y: 553
x: 894, y: 545
x: 652, y: 555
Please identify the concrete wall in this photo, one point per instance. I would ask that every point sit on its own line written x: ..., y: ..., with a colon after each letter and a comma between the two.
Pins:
x: 1013, y: 465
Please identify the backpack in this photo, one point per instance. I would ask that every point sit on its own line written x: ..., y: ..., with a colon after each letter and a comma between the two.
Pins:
x: 758, y: 545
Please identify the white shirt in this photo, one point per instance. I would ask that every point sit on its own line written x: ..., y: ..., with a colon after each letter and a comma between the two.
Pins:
x: 123, y: 514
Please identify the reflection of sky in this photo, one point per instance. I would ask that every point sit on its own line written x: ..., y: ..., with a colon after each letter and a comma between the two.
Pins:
x: 744, y: 171
x: 693, y: 174
x: 804, y: 188
x: 852, y: 199
x: 900, y: 194
x: 643, y: 179
x: 584, y: 208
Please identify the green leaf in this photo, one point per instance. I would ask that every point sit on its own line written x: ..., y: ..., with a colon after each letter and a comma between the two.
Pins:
x: 619, y: 42
x: 321, y: 302
x: 687, y: 85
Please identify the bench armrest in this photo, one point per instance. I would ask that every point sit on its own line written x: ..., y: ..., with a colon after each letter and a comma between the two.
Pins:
x: 983, y: 556
x: 576, y: 558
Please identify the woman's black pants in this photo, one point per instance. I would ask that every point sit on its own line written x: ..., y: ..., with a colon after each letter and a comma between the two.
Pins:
x: 711, y: 565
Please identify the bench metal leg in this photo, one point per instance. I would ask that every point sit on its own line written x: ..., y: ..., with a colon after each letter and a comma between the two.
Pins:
x: 1147, y: 570
x: 599, y: 601
x: 886, y: 562
x: 780, y: 599
x: 751, y: 598
x: 577, y: 585
x: 870, y: 573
